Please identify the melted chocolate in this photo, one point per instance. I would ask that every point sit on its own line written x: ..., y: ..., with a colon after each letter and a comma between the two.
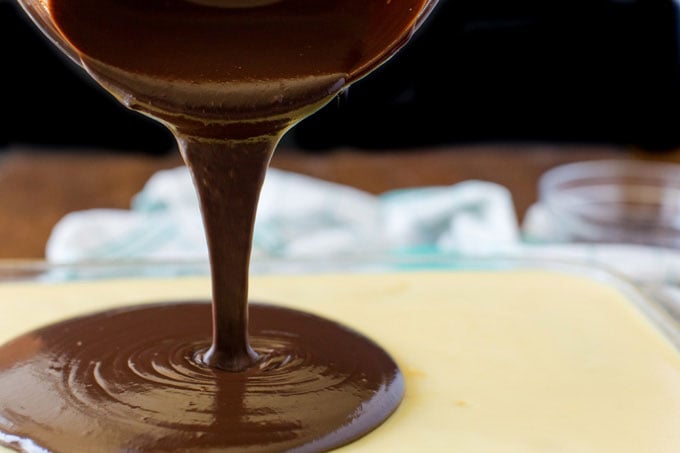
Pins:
x: 228, y: 77
x: 129, y: 380
x: 235, y: 72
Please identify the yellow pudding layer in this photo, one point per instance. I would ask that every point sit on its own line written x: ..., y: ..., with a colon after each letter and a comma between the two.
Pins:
x: 498, y: 361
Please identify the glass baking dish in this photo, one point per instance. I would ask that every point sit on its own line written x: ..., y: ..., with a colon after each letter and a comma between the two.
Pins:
x: 273, y: 273
x: 651, y: 300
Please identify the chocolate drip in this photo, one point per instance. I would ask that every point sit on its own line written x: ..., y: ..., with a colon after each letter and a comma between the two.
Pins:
x: 228, y: 177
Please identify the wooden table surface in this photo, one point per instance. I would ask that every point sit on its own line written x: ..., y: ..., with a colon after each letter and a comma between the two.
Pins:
x: 39, y: 186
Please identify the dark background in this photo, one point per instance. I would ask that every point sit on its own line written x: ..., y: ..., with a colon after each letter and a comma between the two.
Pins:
x: 597, y: 71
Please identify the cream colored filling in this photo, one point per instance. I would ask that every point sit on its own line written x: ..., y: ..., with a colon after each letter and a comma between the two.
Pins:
x: 511, y: 361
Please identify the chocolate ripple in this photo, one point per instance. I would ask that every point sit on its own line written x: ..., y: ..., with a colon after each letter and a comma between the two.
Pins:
x: 133, y: 379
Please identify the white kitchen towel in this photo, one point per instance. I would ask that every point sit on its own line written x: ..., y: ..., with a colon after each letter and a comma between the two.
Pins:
x: 307, y: 220
x: 298, y: 216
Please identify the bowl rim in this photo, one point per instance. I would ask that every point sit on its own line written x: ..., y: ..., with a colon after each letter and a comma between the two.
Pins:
x: 556, y: 177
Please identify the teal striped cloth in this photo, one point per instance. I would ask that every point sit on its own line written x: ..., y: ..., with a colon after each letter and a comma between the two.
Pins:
x: 305, y: 223
x: 298, y: 217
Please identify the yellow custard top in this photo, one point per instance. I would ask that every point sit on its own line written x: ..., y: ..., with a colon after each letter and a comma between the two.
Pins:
x: 494, y: 361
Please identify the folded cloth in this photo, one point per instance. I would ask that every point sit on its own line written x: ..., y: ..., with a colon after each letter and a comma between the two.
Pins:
x: 297, y: 216
x: 301, y: 217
